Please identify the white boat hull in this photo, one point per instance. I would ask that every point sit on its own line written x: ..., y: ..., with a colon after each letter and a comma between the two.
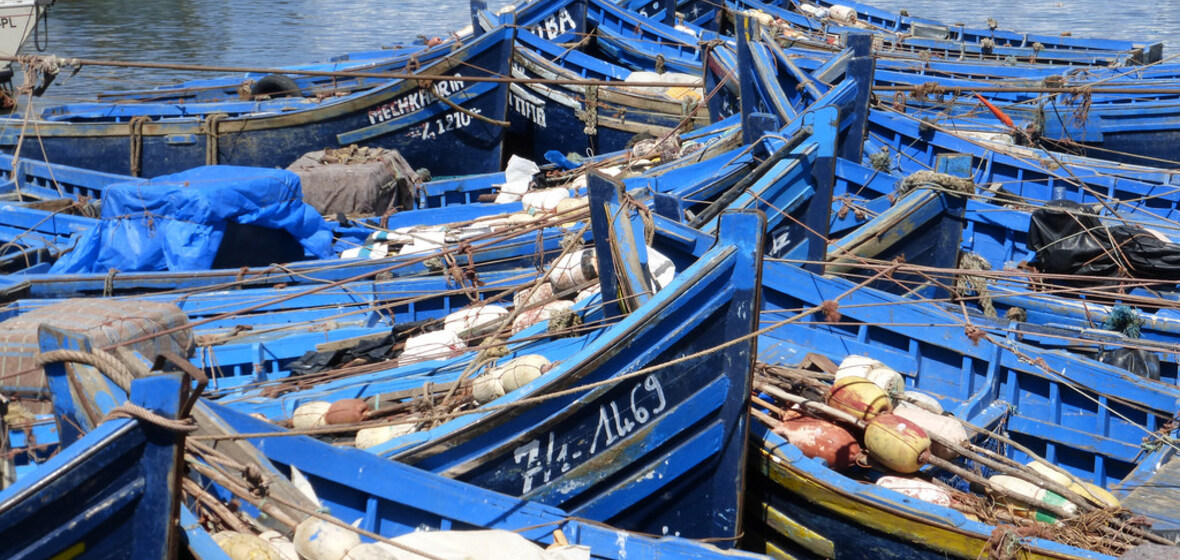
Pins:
x: 18, y: 19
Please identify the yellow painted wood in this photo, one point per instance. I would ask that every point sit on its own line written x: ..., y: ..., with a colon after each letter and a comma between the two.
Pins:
x: 800, y: 535
x: 75, y: 550
x: 777, y: 553
x: 894, y: 520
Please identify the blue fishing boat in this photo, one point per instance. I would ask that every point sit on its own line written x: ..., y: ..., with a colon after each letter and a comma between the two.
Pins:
x: 113, y: 490
x: 898, y: 142
x: 392, y: 499
x: 810, y: 26
x: 1091, y: 422
x: 800, y: 507
x: 449, y: 124
x: 633, y: 407
x: 1144, y: 53
x: 593, y: 119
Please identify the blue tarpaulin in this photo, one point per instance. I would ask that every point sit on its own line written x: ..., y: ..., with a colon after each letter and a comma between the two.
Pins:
x: 177, y: 222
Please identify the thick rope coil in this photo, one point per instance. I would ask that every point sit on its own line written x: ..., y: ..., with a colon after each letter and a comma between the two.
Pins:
x: 104, y: 362
x: 108, y: 283
x: 245, y: 90
x: 951, y: 183
x: 649, y: 226
x: 881, y: 161
x: 40, y: 71
x: 976, y: 283
x: 212, y: 144
x: 899, y: 101
x: 136, y: 412
x: 928, y: 89
x: 110, y: 366
x: 135, y: 135
x: 590, y: 115
x: 1004, y: 543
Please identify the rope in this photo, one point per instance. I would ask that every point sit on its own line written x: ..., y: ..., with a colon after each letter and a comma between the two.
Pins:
x: 649, y: 225
x: 212, y: 145
x: 136, y: 412
x: 949, y: 183
x: 108, y: 283
x: 136, y: 136
x: 590, y: 115
x: 103, y: 361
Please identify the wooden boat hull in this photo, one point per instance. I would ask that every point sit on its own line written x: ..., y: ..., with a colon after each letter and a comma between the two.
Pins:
x: 393, y: 499
x: 113, y: 492
x: 586, y: 120
x: 399, y: 115
x: 649, y: 452
x: 798, y: 508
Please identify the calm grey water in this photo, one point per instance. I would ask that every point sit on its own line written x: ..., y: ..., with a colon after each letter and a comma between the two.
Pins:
x: 229, y: 33
x: 1132, y: 20
x: 279, y: 32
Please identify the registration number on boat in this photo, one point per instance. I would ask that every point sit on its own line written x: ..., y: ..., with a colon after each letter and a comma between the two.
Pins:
x: 446, y: 123
x: 414, y: 101
x: 639, y: 405
x: 553, y: 26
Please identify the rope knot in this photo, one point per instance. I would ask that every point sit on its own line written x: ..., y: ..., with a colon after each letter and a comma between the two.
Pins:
x: 831, y: 310
x: 974, y: 333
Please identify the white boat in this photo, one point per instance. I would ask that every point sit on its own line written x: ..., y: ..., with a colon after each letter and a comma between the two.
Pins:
x: 18, y: 19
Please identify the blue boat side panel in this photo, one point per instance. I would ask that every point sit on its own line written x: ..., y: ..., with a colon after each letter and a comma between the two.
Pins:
x: 112, y: 494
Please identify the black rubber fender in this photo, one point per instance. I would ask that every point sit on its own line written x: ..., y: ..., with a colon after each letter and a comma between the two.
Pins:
x: 275, y: 85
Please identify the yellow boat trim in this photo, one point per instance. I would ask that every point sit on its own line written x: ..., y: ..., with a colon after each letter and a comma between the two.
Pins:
x: 75, y: 550
x: 778, y: 553
x: 911, y: 527
x: 804, y: 537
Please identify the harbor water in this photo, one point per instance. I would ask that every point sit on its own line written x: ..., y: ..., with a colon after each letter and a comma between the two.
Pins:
x: 281, y: 32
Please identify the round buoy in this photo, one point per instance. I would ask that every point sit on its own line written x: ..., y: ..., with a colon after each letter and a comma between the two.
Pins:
x: 920, y: 400
x: 244, y: 546
x: 1097, y: 492
x: 281, y: 544
x: 819, y: 439
x: 1050, y: 473
x: 369, y: 437
x: 945, y: 427
x: 1028, y: 496
x: 897, y: 443
x: 859, y: 397
x: 346, y: 411
x: 917, y: 488
x: 316, y: 539
x: 884, y: 376
x: 310, y: 415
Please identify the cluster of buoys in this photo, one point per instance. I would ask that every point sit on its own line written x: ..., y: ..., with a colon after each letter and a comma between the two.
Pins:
x: 892, y: 436
x: 512, y: 375
x: 881, y: 424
